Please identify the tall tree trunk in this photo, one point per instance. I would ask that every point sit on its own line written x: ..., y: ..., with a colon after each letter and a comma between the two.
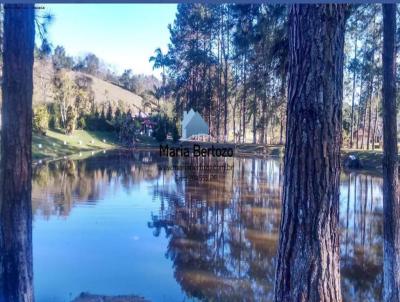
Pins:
x: 244, y: 109
x: 219, y: 81
x: 255, y: 117
x: 369, y: 121
x: 375, y: 125
x: 263, y: 118
x: 308, y: 255
x: 391, y: 203
x: 353, y: 96
x: 16, y: 158
x: 226, y: 80
x: 359, y: 116
x: 364, y: 121
x: 371, y: 91
x: 281, y: 126
x: 234, y: 120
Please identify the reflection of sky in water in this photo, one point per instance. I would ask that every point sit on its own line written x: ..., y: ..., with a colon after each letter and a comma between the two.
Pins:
x: 118, y: 225
x: 104, y: 248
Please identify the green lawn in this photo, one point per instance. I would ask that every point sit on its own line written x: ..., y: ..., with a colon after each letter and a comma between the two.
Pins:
x: 56, y: 144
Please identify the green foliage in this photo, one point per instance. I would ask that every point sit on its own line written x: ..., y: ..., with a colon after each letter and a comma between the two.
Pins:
x: 61, y: 60
x: 81, y: 123
x: 83, y: 95
x: 164, y: 127
x: 70, y: 121
x: 89, y: 64
x: 97, y: 122
x: 54, y: 116
x: 63, y: 92
x: 137, y: 83
x: 109, y: 115
x: 40, y: 119
x: 174, y: 133
x: 127, y: 129
x: 235, y: 58
x: 160, y: 132
x: 126, y: 80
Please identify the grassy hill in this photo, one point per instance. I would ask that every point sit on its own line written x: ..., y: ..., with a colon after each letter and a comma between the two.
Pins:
x: 104, y: 91
x: 56, y: 144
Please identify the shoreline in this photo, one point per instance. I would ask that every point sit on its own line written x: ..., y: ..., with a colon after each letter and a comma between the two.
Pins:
x: 370, y: 160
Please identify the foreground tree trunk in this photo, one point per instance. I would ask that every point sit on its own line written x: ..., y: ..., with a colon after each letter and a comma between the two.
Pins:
x: 391, y: 204
x: 308, y: 255
x: 16, y: 137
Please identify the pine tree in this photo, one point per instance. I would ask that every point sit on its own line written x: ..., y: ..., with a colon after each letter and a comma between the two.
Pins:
x: 309, y: 231
x: 16, y: 278
x: 391, y: 202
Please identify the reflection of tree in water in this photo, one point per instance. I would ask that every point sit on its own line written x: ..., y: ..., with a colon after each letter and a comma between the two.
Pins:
x: 58, y: 185
x: 223, y: 233
x: 362, y: 237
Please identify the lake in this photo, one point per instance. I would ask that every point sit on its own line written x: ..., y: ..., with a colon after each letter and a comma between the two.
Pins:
x: 133, y: 223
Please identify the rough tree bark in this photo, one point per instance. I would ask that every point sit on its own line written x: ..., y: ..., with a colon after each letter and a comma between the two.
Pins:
x: 391, y: 203
x: 308, y: 255
x: 16, y: 137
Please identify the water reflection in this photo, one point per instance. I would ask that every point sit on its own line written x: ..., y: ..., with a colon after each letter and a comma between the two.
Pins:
x: 218, y: 230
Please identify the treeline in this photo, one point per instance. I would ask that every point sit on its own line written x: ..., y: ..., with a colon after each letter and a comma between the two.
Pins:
x: 91, y: 64
x: 362, y: 113
x: 230, y: 62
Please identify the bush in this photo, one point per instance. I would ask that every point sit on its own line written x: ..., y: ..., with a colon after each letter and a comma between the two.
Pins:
x: 175, y: 133
x: 164, y: 127
x: 161, y: 130
x: 55, y: 116
x: 40, y: 119
x: 95, y: 122
x: 160, y: 133
x: 81, y: 124
x: 70, y: 120
x: 128, y: 129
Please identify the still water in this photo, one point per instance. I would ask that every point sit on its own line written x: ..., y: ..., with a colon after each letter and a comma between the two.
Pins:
x: 120, y: 224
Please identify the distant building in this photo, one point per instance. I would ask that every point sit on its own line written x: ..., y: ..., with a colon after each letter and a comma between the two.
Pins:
x: 193, y: 124
x: 147, y: 127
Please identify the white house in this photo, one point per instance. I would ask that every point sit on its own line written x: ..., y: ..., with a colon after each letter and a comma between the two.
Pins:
x: 193, y: 124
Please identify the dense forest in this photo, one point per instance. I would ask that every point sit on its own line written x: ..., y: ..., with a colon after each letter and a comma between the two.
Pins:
x: 230, y: 62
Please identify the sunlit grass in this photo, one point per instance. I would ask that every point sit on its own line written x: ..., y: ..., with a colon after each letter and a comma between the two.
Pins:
x: 56, y: 144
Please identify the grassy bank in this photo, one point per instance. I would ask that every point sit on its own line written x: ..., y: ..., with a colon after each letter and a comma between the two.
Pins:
x: 56, y: 144
x: 371, y: 160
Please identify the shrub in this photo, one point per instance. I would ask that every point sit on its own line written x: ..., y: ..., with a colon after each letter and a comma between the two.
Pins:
x: 174, y: 133
x: 70, y: 120
x: 127, y: 131
x: 55, y: 116
x: 81, y: 124
x: 95, y: 122
x: 161, y: 130
x: 40, y: 119
x: 164, y: 127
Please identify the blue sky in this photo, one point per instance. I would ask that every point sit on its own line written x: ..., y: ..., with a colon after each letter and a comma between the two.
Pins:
x: 123, y: 35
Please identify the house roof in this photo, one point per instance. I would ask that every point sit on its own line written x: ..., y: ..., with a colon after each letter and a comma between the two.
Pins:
x: 187, y: 117
x: 190, y: 116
